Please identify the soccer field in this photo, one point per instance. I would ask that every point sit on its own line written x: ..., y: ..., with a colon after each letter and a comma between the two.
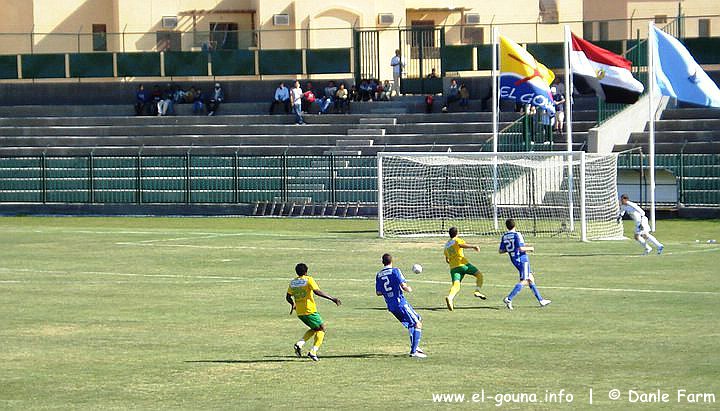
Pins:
x: 150, y: 313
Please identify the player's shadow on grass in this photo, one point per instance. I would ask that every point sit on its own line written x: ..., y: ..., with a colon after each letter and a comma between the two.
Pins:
x: 442, y: 308
x: 292, y: 358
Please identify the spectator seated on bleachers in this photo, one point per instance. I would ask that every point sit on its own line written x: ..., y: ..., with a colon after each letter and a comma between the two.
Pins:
x: 189, y: 96
x: 198, y: 103
x: 281, y: 97
x: 166, y: 104
x: 353, y: 93
x: 216, y: 97
x: 365, y: 91
x: 384, y: 91
x: 309, y: 98
x: 464, y: 96
x: 342, y: 105
x: 155, y: 99
x: 328, y: 99
x: 453, y: 95
x: 142, y: 98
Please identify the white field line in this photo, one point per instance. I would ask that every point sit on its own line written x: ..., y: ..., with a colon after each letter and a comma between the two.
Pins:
x: 228, y: 247
x: 369, y: 281
x: 172, y: 233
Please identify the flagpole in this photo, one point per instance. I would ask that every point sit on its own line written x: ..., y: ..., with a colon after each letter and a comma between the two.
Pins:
x: 495, y: 120
x: 651, y: 115
x: 568, y: 88
x: 568, y: 121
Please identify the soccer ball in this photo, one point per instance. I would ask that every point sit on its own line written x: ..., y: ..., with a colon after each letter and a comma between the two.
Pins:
x: 417, y: 268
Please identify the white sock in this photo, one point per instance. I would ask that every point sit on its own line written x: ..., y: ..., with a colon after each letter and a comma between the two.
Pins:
x: 315, y: 349
x: 300, y: 343
x: 654, y: 240
x: 643, y: 243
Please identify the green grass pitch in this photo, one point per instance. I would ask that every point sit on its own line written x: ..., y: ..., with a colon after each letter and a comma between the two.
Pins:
x: 157, y: 313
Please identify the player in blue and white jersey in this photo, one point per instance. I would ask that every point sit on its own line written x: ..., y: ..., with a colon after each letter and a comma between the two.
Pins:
x: 391, y: 284
x: 513, y: 244
x: 642, y: 227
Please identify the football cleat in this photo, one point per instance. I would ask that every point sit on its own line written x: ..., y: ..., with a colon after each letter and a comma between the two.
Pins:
x: 508, y: 303
x: 449, y: 302
x: 418, y: 354
x: 544, y: 302
x: 479, y: 295
x: 297, y: 350
x: 313, y: 356
x: 660, y: 249
x: 647, y: 251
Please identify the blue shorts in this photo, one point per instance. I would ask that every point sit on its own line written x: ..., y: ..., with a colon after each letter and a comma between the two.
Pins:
x: 406, y: 315
x: 523, y: 268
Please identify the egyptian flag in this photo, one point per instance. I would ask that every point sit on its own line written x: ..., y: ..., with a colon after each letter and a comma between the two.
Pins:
x: 603, y: 73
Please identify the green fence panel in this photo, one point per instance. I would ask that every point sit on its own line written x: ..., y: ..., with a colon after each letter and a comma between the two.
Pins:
x: 43, y: 65
x: 233, y: 63
x: 279, y: 62
x: 20, y: 179
x: 212, y: 179
x: 549, y: 54
x: 91, y: 65
x: 328, y: 61
x: 67, y: 179
x: 8, y: 67
x: 705, y: 50
x: 421, y: 85
x: 484, y: 57
x: 143, y: 64
x: 616, y: 46
x: 115, y: 179
x: 457, y: 58
x: 186, y: 63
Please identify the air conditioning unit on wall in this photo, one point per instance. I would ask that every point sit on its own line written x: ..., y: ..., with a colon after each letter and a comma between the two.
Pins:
x: 281, y: 20
x: 386, y: 18
x: 169, y: 22
x: 472, y: 18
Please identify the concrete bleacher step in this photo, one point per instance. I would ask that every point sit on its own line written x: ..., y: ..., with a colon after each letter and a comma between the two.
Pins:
x: 378, y: 121
x: 366, y: 131
x: 344, y: 152
x: 346, y: 143
x: 389, y: 110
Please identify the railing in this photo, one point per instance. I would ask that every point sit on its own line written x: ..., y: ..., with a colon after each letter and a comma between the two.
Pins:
x: 531, y: 132
x: 188, y: 179
x: 697, y: 176
x: 233, y: 179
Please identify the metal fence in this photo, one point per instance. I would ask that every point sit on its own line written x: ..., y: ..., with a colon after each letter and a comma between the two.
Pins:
x: 233, y: 179
x: 188, y: 179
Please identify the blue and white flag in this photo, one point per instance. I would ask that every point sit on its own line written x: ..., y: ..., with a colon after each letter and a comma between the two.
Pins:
x: 678, y: 74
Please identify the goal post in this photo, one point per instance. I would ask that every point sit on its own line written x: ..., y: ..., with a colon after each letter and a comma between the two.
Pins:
x: 562, y: 193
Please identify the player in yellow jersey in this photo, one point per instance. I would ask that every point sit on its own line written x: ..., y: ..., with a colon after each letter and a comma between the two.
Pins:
x: 301, y: 297
x: 460, y: 266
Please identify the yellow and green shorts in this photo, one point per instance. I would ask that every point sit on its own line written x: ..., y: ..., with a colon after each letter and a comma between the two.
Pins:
x: 458, y: 273
x: 314, y: 321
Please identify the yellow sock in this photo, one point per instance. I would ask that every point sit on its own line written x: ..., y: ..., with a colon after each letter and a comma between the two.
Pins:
x: 308, y: 335
x: 454, y: 289
x: 479, y: 280
x: 319, y: 336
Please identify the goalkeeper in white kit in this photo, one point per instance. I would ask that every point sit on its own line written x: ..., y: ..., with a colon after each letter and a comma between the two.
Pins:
x: 642, y: 227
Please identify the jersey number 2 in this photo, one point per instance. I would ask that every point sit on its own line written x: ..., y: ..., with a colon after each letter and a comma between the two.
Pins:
x: 386, y: 284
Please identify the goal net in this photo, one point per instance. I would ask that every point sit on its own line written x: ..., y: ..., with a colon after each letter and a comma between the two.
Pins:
x: 564, y: 194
